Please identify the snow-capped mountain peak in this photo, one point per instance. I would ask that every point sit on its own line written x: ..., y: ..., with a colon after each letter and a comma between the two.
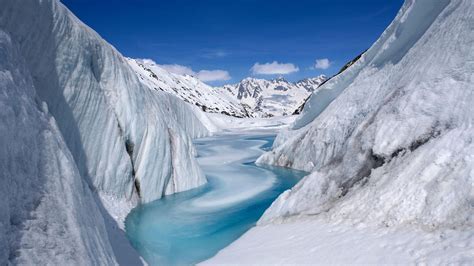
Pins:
x: 187, y: 87
x: 277, y: 97
x: 311, y: 83
x: 251, y: 97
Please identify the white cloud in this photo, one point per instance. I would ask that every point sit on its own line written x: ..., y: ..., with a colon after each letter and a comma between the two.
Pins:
x: 203, y: 75
x: 146, y: 61
x: 179, y: 69
x: 213, y: 75
x: 274, y: 68
x: 322, y: 63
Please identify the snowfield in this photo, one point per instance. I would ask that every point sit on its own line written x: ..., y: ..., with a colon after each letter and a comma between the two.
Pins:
x: 389, y: 144
x: 321, y: 242
x: 225, y: 123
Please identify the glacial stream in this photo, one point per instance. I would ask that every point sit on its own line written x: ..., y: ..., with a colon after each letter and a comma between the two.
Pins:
x: 189, y: 227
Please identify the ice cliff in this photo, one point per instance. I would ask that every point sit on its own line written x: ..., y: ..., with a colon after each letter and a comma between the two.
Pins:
x: 123, y: 136
x: 47, y: 209
x: 75, y: 121
x: 390, y: 140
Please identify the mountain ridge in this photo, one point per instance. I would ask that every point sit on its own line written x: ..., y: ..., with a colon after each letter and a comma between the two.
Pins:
x: 251, y: 97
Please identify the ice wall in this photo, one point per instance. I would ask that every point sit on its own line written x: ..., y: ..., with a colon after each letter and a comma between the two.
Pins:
x: 406, y: 30
x: 48, y: 213
x: 126, y: 139
x: 390, y: 140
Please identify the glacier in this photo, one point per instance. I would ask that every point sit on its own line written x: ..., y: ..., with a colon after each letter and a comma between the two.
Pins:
x: 42, y: 190
x: 389, y: 144
x: 389, y: 141
x: 124, y: 137
x: 86, y: 139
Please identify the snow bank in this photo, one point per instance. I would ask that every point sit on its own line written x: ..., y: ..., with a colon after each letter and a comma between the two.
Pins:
x: 313, y: 242
x: 127, y: 140
x: 48, y: 213
x: 225, y: 123
x: 390, y: 140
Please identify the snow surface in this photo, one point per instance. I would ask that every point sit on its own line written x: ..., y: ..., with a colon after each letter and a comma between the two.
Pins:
x: 225, y: 123
x: 313, y: 242
x: 390, y: 146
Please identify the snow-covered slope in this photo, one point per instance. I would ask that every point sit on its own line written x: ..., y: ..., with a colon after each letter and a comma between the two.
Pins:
x: 187, y: 88
x: 390, y: 140
x: 48, y: 212
x: 311, y: 84
x: 267, y: 98
x: 316, y: 242
x: 390, y: 146
x: 343, y: 68
x: 249, y: 98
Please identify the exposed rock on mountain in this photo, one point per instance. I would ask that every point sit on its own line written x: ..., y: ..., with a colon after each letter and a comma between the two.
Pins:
x: 278, y: 97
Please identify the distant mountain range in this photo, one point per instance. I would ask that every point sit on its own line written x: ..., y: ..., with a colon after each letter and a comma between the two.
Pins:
x: 276, y: 97
x: 250, y: 97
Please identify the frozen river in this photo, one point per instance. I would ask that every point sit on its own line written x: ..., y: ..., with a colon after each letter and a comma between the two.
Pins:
x: 192, y: 226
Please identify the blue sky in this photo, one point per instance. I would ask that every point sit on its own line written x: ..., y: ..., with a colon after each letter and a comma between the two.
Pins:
x: 240, y: 37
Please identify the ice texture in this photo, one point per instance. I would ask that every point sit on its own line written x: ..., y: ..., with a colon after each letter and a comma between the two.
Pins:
x: 83, y: 140
x: 315, y: 242
x: 48, y: 213
x: 390, y: 140
x: 126, y: 139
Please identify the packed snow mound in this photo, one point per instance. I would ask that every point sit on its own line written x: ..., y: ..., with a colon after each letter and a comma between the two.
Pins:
x: 127, y: 139
x: 267, y: 98
x: 188, y: 88
x: 396, y: 145
x: 47, y: 209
